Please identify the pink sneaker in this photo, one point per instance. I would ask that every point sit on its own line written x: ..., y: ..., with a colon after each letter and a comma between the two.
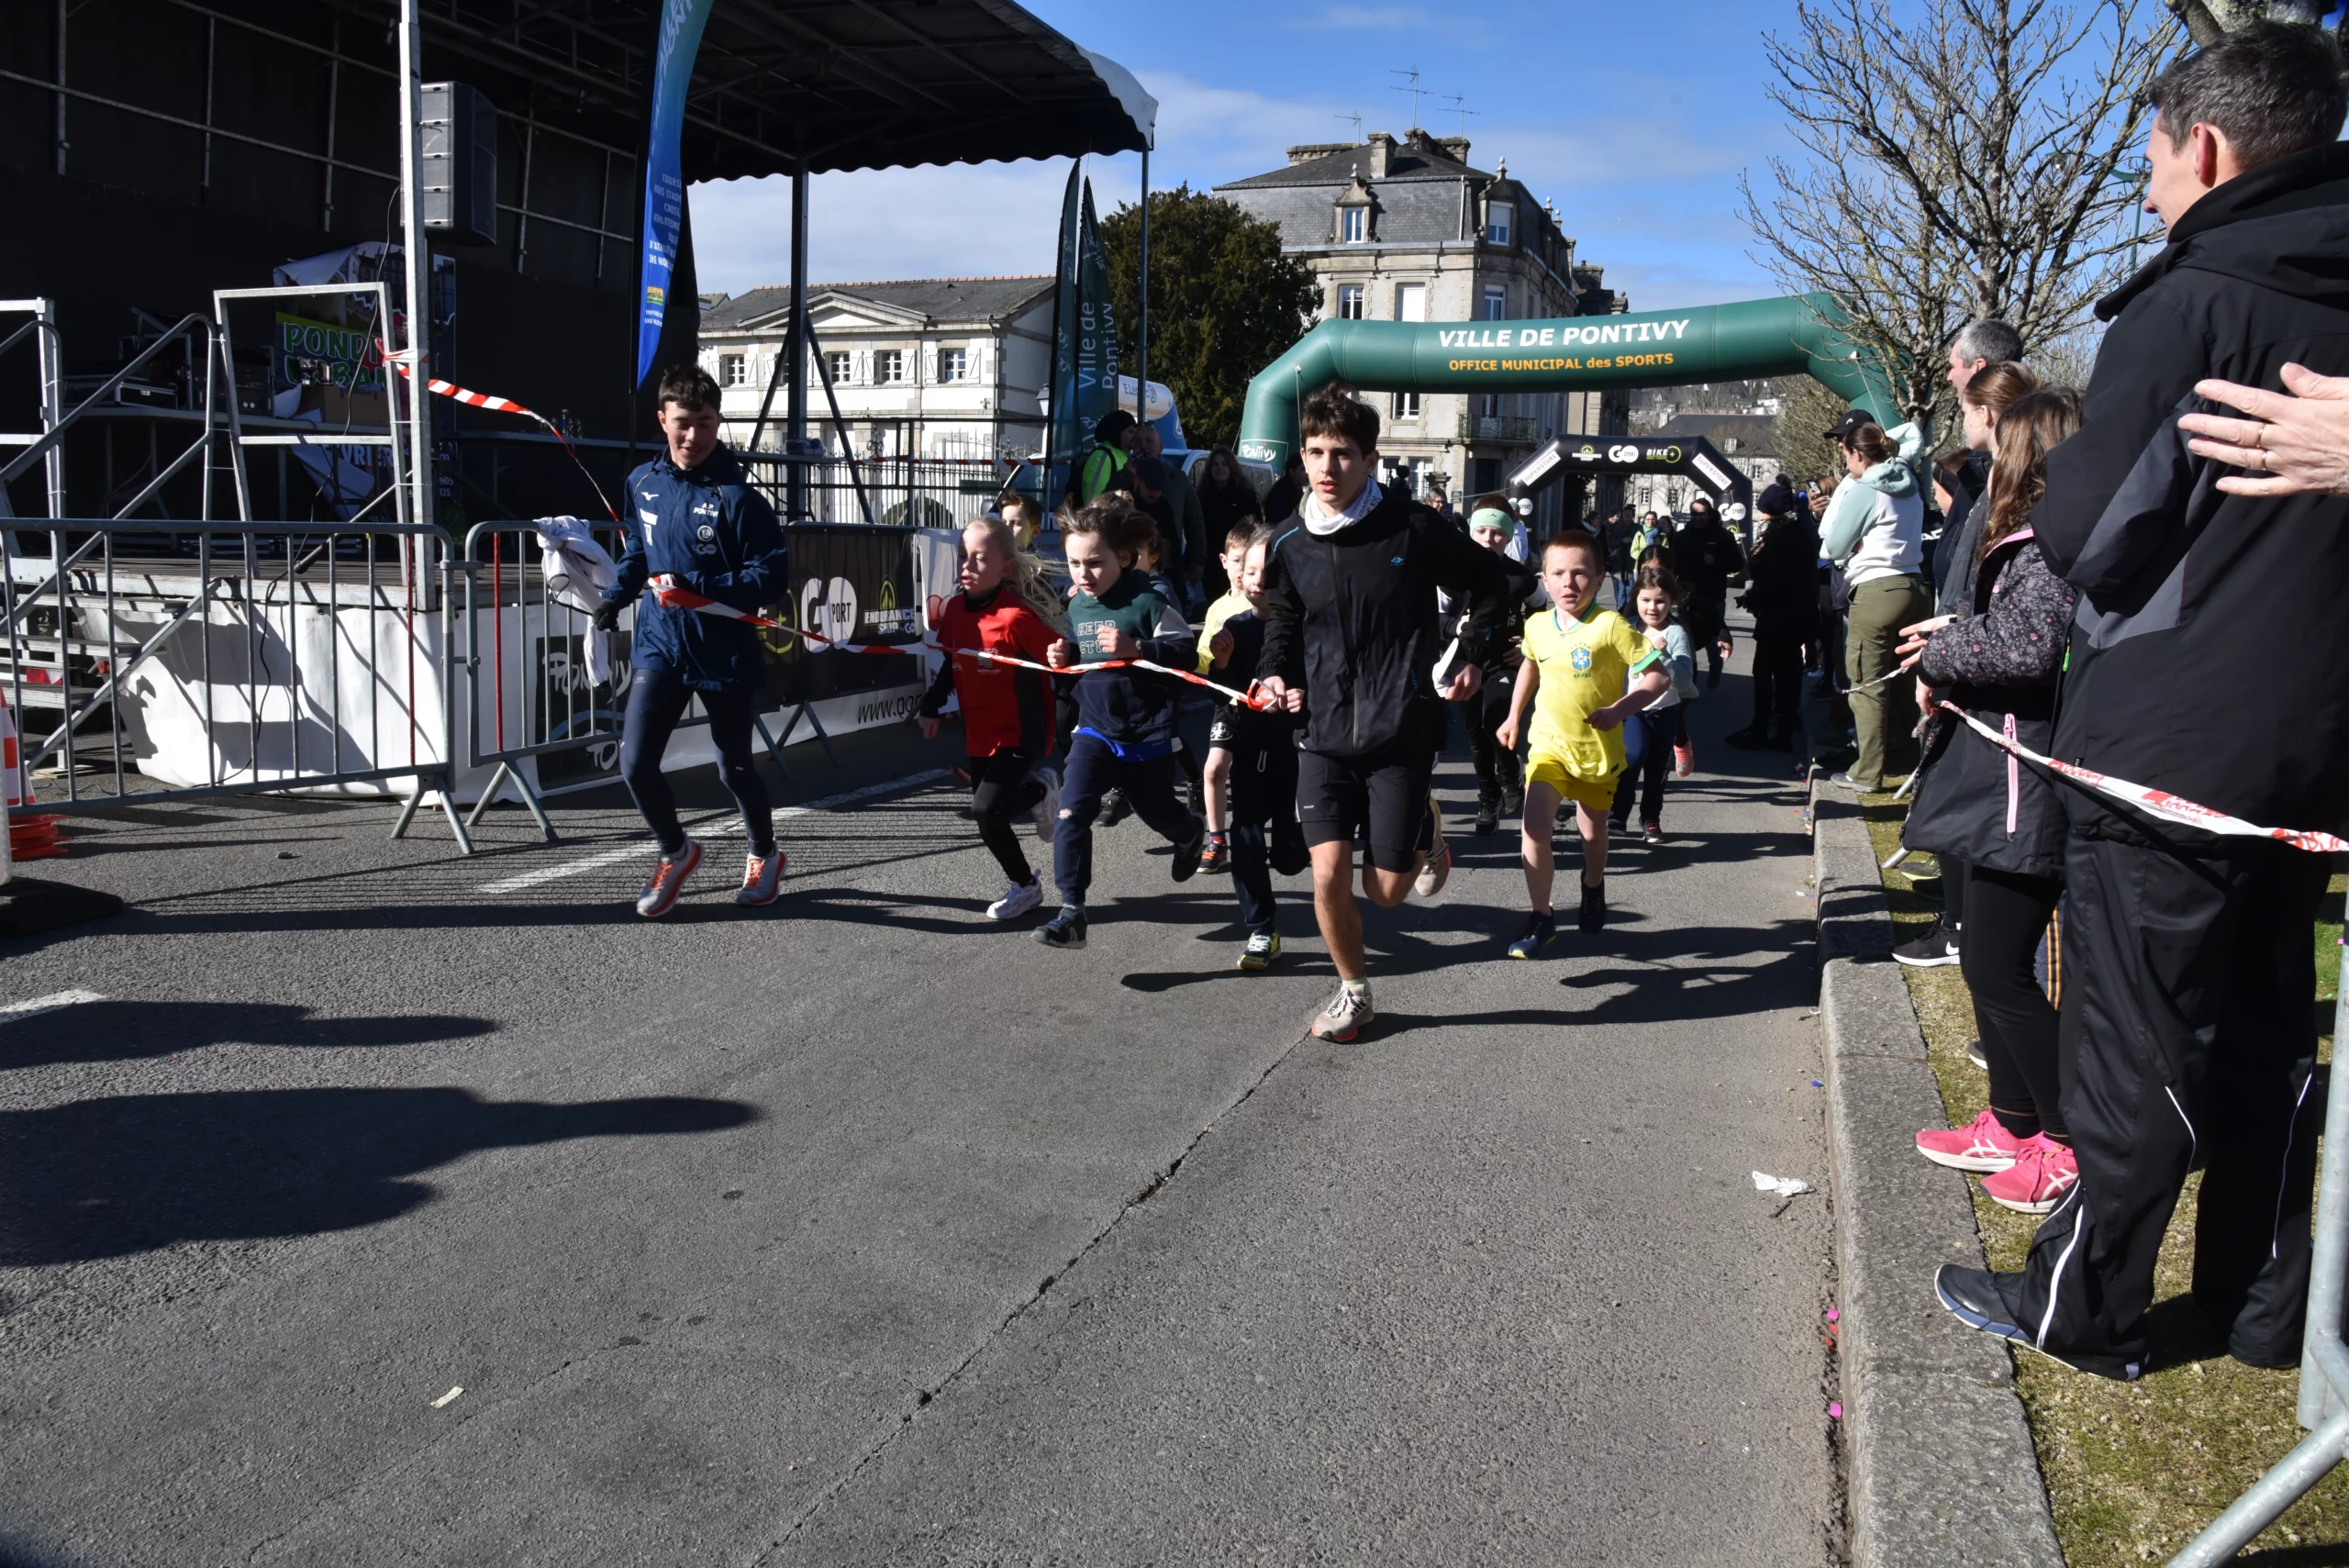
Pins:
x: 1984, y: 1145
x: 2038, y: 1179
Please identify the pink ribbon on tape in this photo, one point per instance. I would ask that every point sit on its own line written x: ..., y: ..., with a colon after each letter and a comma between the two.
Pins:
x: 2156, y: 802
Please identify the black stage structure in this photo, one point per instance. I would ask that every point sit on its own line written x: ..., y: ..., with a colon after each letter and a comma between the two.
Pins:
x: 152, y: 152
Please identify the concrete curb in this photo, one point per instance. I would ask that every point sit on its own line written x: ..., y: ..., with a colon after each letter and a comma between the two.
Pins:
x: 1940, y: 1464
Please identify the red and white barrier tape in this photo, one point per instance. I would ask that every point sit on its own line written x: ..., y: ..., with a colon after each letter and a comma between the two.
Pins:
x: 2154, y: 802
x: 449, y: 389
x: 668, y: 593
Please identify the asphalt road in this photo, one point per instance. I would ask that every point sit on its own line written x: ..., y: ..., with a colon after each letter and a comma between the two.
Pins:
x: 856, y: 1230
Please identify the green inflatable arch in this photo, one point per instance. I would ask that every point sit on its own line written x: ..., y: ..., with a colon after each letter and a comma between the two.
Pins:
x: 1803, y: 334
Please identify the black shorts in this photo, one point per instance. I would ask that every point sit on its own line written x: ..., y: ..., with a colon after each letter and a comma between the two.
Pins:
x: 1336, y: 796
x: 1223, y: 729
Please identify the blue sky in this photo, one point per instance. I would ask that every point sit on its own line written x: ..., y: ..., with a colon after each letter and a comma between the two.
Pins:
x: 1633, y: 119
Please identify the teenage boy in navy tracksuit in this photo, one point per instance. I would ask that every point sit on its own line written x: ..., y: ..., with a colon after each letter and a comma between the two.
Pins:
x: 695, y: 518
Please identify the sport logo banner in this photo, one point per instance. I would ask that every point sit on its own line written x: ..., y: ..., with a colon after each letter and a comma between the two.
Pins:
x: 665, y: 186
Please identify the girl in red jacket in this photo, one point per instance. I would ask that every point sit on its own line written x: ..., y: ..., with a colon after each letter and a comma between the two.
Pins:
x: 1007, y: 711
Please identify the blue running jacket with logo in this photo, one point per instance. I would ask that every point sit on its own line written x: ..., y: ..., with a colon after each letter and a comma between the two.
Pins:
x: 706, y: 528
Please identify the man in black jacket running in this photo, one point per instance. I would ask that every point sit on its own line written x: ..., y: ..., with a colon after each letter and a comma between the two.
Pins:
x: 1351, y: 641
x: 2205, y: 662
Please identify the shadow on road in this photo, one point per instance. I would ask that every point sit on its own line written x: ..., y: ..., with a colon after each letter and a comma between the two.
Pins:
x: 127, y: 1031
x: 107, y: 1178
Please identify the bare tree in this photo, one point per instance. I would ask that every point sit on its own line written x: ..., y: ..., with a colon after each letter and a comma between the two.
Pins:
x: 1964, y: 158
x: 2210, y: 21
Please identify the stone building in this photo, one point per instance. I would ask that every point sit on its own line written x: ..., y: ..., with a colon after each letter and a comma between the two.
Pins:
x: 1408, y: 230
x: 926, y: 367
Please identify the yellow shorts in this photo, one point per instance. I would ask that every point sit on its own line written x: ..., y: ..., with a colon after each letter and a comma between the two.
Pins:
x: 1596, y: 793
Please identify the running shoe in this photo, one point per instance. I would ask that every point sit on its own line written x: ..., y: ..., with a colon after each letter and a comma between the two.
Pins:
x: 1048, y: 810
x: 1594, y: 907
x: 1539, y: 929
x: 1846, y: 781
x: 762, y: 878
x: 1115, y: 807
x: 1017, y: 900
x: 1513, y: 803
x: 1974, y: 1053
x: 1985, y: 1301
x: 1982, y: 1145
x: 1651, y: 833
x: 1345, y: 1017
x: 1065, y: 930
x: 1218, y: 856
x: 1437, y: 870
x: 2042, y: 1173
x: 669, y: 873
x: 1258, y: 955
x: 1488, y: 816
x: 1935, y: 950
x: 1186, y: 854
x: 1684, y: 759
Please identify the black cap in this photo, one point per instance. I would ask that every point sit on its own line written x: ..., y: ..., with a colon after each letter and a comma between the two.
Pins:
x: 1776, y: 500
x: 1147, y: 472
x: 1850, y: 424
x: 1112, y: 425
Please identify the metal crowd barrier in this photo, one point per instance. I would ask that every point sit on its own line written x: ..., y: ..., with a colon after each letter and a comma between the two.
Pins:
x: 2324, y: 1362
x: 523, y: 652
x: 155, y: 659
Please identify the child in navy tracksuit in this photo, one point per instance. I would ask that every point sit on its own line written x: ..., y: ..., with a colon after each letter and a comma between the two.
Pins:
x: 1261, y: 783
x: 1125, y: 730
x: 695, y: 519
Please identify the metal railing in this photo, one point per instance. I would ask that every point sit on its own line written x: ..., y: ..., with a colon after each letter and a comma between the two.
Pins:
x: 182, y: 659
x: 2324, y: 1362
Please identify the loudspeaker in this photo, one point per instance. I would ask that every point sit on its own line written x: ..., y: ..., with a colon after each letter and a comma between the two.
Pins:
x: 459, y: 173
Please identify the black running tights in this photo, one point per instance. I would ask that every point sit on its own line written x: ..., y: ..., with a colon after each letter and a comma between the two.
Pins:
x: 2006, y: 916
x: 1003, y: 787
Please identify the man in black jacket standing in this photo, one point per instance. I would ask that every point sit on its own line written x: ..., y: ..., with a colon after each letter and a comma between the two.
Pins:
x: 2205, y: 662
x: 1351, y: 641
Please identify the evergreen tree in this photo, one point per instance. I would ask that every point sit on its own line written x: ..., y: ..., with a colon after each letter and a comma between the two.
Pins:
x: 1224, y: 303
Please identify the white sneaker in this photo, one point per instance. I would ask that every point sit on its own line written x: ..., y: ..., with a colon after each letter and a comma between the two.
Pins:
x: 1017, y: 900
x: 1048, y: 810
x: 1438, y: 869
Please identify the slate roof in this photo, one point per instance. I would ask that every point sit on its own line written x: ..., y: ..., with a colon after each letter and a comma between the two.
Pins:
x: 933, y: 299
x: 1412, y: 160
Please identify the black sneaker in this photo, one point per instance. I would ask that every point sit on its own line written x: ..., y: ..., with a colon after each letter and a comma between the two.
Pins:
x: 1594, y: 907
x: 1981, y: 1300
x: 1065, y: 930
x: 1746, y: 740
x: 1935, y: 949
x: 1513, y: 803
x: 1186, y: 854
x: 1973, y: 1054
x: 1538, y: 928
x: 1115, y: 807
x: 1488, y: 816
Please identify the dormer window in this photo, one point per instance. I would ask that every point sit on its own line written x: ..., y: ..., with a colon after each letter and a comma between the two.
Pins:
x: 1353, y: 224
x: 1497, y: 223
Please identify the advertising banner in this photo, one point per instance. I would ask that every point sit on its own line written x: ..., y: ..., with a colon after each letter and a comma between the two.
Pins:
x: 665, y: 186
x: 1085, y: 333
x: 849, y: 582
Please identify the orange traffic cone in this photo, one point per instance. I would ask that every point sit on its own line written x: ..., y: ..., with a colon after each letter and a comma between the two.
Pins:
x: 29, y: 837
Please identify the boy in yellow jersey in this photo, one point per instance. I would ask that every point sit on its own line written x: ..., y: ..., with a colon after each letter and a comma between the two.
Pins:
x: 1587, y: 670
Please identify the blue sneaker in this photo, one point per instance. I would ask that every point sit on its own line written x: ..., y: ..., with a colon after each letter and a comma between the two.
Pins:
x: 1065, y: 930
x: 1977, y: 1298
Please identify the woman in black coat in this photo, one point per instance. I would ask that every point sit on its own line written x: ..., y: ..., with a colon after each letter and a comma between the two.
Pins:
x: 1225, y: 498
x: 1782, y: 594
x: 1979, y: 804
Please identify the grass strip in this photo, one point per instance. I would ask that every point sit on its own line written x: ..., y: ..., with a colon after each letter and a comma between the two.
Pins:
x: 2134, y: 1469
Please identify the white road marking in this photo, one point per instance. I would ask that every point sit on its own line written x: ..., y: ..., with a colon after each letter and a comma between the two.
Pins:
x: 628, y: 851
x: 448, y: 1398
x: 16, y: 1011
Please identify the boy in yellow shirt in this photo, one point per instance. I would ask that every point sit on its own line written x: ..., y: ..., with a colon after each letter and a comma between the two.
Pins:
x: 1587, y: 670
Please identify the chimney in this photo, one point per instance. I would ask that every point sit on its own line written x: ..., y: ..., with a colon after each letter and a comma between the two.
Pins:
x: 1382, y: 153
x: 1306, y: 152
x: 1454, y: 148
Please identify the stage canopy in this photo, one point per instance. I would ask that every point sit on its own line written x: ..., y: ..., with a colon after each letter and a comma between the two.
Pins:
x: 829, y: 85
